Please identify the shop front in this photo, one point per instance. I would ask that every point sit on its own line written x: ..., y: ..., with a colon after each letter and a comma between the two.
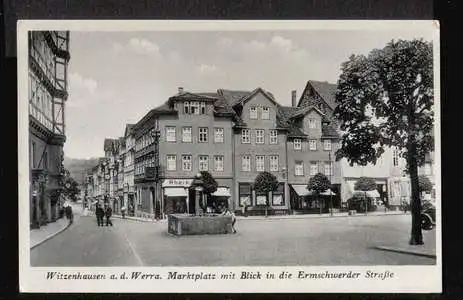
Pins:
x: 175, y: 195
x: 252, y: 202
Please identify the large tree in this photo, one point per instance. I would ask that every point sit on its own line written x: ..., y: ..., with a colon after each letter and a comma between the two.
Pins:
x: 318, y: 184
x: 384, y: 100
x: 265, y: 183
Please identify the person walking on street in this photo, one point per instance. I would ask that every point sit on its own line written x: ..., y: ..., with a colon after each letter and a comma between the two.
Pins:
x: 123, y: 212
x: 108, y: 212
x: 99, y: 215
x: 69, y: 213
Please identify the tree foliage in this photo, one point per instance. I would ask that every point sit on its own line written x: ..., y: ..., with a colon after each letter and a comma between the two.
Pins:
x: 384, y: 100
x: 209, y: 183
x: 71, y: 188
x: 265, y: 182
x: 319, y: 183
x: 425, y: 184
x: 365, y: 184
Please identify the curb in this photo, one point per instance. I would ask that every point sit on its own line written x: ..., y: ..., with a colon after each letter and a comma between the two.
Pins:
x: 51, y: 235
x: 411, y: 252
x: 318, y: 217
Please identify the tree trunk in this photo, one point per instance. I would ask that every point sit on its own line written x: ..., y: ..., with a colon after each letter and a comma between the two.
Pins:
x: 416, y: 237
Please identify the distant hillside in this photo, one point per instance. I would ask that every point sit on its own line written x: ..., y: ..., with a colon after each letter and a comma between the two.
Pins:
x: 78, y: 167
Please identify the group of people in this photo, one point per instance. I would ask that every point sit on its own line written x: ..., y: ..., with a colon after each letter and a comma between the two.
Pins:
x: 102, y: 213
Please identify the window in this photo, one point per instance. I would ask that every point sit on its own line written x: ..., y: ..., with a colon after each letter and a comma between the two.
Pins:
x: 245, y: 136
x: 203, y: 134
x: 312, y: 144
x: 327, y: 168
x: 246, y: 163
x: 45, y: 160
x: 274, y: 163
x: 312, y: 124
x: 218, y: 135
x: 273, y: 137
x: 260, y: 136
x: 203, y: 108
x: 32, y: 162
x: 395, y: 158
x: 186, y: 134
x: 170, y: 134
x: 427, y: 169
x: 265, y: 113
x: 171, y: 162
x: 186, y: 107
x: 218, y: 163
x: 297, y: 144
x: 244, y: 194
x: 278, y: 195
x: 260, y: 163
x: 253, y: 113
x: 327, y: 145
x: 186, y: 162
x: 299, y: 168
x: 313, y: 168
x: 203, y: 163
x: 194, y: 108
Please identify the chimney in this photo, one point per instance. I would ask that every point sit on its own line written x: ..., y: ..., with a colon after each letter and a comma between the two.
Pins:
x: 293, y: 98
x: 180, y: 89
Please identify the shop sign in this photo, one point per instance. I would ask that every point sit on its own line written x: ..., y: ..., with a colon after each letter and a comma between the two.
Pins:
x: 177, y: 182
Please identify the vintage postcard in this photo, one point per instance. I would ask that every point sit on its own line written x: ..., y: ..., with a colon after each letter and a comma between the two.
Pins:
x: 229, y: 156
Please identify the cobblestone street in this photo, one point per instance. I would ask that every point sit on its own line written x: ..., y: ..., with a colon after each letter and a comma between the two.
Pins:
x: 265, y: 242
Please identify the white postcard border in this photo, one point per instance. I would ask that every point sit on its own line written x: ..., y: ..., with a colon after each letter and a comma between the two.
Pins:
x: 407, y: 279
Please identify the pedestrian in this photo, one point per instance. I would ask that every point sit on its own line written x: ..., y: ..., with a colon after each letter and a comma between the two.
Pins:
x: 227, y: 212
x: 108, y: 212
x: 99, y: 215
x: 69, y: 213
x: 123, y: 212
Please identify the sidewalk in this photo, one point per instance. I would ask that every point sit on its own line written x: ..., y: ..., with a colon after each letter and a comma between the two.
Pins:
x: 278, y: 217
x: 46, y: 232
x: 402, y: 246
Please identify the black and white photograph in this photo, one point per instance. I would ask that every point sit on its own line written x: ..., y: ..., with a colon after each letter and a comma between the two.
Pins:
x: 243, y: 156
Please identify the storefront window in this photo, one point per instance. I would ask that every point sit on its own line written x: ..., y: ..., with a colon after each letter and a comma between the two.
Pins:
x: 245, y: 194
x: 278, y: 195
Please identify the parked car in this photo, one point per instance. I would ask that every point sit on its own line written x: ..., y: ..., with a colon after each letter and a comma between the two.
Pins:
x: 428, y: 215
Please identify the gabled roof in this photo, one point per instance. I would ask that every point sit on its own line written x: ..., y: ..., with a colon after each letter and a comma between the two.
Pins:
x: 232, y: 97
x: 329, y: 131
x: 253, y: 93
x: 326, y: 90
x: 304, y: 110
x: 196, y: 96
x: 111, y: 144
x: 128, y: 129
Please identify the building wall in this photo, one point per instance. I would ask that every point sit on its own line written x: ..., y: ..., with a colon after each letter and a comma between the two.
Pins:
x: 253, y: 149
x: 307, y: 156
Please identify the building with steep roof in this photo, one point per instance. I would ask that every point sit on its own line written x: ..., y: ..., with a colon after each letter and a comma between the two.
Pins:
x: 47, y: 94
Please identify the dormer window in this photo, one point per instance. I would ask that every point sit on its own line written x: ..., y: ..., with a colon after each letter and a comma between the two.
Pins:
x: 194, y: 106
x: 253, y: 113
x: 265, y: 113
x: 312, y: 124
x: 202, y: 106
x: 186, y: 107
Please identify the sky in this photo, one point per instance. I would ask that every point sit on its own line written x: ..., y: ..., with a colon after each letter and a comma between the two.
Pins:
x: 115, y: 78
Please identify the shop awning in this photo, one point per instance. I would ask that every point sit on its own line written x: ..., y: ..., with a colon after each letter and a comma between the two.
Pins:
x: 175, y: 192
x: 372, y: 194
x: 328, y: 192
x: 300, y: 189
x: 222, y: 192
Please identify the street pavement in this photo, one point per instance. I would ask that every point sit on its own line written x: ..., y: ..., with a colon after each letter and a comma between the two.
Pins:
x: 259, y: 242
